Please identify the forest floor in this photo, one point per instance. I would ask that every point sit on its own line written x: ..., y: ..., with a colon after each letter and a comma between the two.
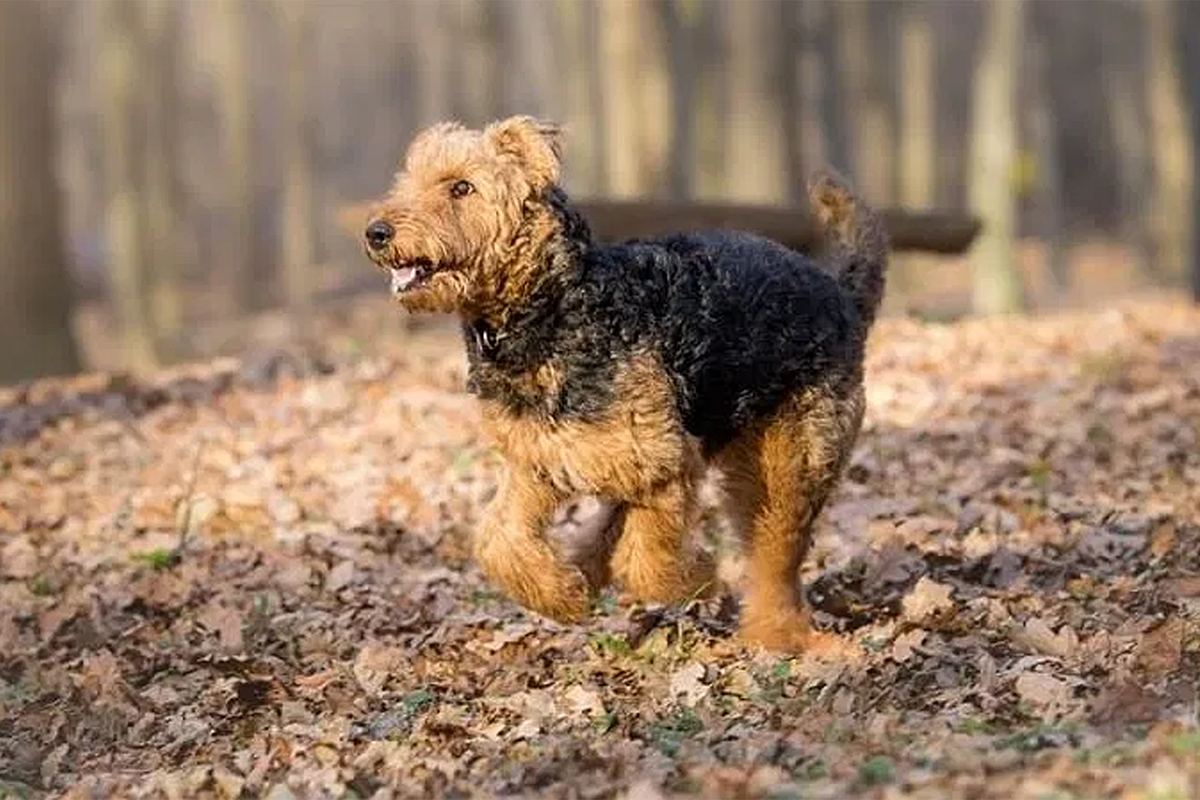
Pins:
x: 251, y: 578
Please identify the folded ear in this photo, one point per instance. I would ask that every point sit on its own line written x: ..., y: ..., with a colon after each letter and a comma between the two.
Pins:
x: 535, y: 144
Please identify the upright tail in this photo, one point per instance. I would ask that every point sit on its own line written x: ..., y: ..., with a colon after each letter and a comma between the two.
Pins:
x: 856, y: 245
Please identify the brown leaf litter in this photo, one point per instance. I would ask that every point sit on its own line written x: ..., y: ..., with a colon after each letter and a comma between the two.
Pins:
x: 252, y: 580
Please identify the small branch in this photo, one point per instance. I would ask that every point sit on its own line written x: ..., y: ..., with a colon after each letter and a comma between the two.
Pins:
x: 185, y: 524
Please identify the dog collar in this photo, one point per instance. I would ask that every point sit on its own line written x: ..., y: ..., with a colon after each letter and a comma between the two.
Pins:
x: 487, y: 339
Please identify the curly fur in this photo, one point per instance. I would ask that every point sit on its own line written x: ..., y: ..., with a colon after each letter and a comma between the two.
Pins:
x: 624, y: 370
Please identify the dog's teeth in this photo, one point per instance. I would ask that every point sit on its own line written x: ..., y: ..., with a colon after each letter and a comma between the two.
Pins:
x: 402, y: 277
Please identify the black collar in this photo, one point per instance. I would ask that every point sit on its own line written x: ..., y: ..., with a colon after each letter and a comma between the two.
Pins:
x: 487, y: 338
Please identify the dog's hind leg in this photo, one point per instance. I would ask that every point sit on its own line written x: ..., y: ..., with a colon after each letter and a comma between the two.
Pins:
x: 778, y: 480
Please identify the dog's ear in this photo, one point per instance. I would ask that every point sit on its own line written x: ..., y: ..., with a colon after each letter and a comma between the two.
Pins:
x: 535, y: 144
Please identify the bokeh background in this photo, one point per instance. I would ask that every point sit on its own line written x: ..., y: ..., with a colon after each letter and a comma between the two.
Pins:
x: 178, y: 177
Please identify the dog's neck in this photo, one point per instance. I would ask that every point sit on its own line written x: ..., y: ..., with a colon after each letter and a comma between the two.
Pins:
x: 537, y: 268
x: 512, y: 333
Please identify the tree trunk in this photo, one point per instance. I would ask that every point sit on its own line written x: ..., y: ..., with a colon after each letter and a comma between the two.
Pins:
x: 35, y: 306
x: 1044, y: 129
x: 677, y: 19
x: 813, y: 84
x: 918, y: 94
x: 618, y: 44
x: 125, y: 144
x: 873, y: 159
x: 794, y: 110
x: 244, y: 273
x: 757, y: 164
x: 712, y: 101
x: 164, y: 224
x: 581, y: 172
x: 1188, y: 30
x: 597, y: 95
x: 1172, y: 198
x: 997, y: 287
x: 832, y: 114
x: 299, y: 179
x: 1134, y: 167
x: 481, y: 67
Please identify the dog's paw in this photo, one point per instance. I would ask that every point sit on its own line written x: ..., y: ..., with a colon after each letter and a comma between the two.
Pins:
x: 790, y: 633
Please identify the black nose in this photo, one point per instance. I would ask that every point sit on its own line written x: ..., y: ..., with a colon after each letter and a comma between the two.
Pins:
x: 379, y: 233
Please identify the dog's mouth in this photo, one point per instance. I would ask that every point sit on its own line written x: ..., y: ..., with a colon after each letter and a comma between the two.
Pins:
x: 411, y: 274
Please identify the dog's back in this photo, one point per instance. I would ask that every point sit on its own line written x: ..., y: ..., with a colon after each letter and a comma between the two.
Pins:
x: 742, y: 322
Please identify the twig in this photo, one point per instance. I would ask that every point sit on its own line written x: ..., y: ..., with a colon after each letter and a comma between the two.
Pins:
x: 185, y: 524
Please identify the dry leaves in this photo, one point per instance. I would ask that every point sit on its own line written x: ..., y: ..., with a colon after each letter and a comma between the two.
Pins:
x: 1014, y: 551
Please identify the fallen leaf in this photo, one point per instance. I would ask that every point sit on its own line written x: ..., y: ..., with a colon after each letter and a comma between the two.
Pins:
x: 340, y: 576
x: 740, y: 683
x: 688, y: 682
x: 902, y: 646
x: 1042, y: 690
x: 1161, y: 648
x: 1183, y: 588
x: 643, y: 790
x: 583, y: 700
x: 509, y: 634
x: 374, y: 664
x: 1037, y: 636
x: 18, y: 559
x: 927, y: 600
x: 227, y: 623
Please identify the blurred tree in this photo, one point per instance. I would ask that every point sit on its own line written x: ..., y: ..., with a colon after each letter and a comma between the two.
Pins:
x: 1186, y: 34
x: 712, y: 99
x: 35, y: 306
x: 428, y: 38
x: 164, y: 224
x: 1047, y: 176
x: 757, y: 167
x: 796, y: 109
x: 618, y: 59
x: 123, y: 34
x: 243, y: 271
x: 678, y: 20
x: 582, y: 96
x: 478, y: 66
x: 918, y: 111
x: 298, y: 132
x: 812, y: 27
x: 1125, y: 91
x: 872, y: 159
x: 531, y: 80
x: 1172, y: 197
x: 651, y: 96
x: 997, y: 286
x: 828, y: 44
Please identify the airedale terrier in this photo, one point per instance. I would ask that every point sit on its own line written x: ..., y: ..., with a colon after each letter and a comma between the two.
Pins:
x: 625, y: 370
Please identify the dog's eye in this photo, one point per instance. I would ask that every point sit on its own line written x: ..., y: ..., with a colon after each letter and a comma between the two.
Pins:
x: 461, y: 189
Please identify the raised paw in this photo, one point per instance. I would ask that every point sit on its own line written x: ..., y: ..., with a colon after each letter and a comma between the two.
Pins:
x: 533, y: 576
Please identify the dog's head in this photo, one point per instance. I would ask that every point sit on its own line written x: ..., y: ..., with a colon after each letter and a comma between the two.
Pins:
x: 467, y: 213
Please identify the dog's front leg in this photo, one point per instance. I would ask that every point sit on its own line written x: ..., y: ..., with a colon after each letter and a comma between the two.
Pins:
x: 512, y: 550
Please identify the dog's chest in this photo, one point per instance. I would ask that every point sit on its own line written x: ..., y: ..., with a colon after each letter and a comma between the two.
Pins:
x: 633, y: 444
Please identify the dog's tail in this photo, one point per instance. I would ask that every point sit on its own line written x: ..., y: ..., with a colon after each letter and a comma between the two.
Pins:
x: 856, y: 245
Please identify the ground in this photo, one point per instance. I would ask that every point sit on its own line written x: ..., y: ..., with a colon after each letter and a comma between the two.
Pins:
x: 252, y: 579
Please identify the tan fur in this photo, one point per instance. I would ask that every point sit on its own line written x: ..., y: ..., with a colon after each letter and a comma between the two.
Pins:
x: 636, y: 455
x: 486, y: 245
x: 778, y: 478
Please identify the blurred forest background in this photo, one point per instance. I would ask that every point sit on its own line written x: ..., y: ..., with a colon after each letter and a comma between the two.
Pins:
x: 170, y: 169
